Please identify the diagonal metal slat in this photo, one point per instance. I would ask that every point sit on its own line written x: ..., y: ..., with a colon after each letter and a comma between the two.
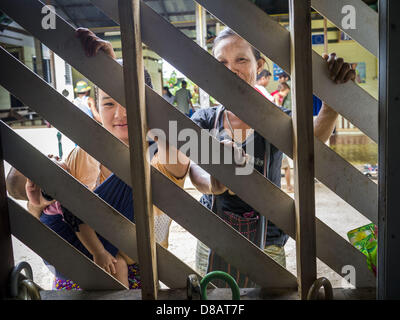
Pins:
x: 55, y: 104
x: 328, y: 163
x: 150, y: 19
x: 364, y: 196
x: 58, y: 252
x: 83, y: 203
x: 284, y: 217
x: 367, y: 20
x: 331, y: 248
x: 237, y: 93
x: 273, y: 38
x: 90, y: 61
x: 346, y: 181
x: 224, y: 85
x: 212, y: 230
x: 286, y: 224
x: 160, y: 110
x: 349, y: 99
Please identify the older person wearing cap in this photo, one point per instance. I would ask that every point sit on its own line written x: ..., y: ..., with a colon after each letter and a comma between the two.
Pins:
x: 84, y: 102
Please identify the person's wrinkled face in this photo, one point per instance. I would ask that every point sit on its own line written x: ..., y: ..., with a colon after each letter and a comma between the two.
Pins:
x: 113, y: 116
x: 237, y: 55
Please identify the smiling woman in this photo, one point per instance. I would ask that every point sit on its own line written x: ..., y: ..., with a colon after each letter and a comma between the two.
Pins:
x: 245, y: 61
x: 113, y: 116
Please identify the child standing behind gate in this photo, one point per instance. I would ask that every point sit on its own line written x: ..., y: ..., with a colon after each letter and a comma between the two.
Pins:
x: 109, y: 187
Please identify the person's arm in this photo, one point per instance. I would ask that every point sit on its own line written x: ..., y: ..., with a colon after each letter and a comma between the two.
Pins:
x: 340, y: 72
x: 178, y: 169
x: 204, y: 182
x: 325, y: 122
x: 101, y: 256
x: 92, y: 107
x: 200, y: 178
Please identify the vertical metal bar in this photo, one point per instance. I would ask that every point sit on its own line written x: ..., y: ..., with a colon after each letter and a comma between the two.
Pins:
x: 129, y: 14
x: 389, y: 154
x: 39, y: 58
x: 53, y: 70
x: 303, y: 142
x: 325, y: 35
x: 6, y: 250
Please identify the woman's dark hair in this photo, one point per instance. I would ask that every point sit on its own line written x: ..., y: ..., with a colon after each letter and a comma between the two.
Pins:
x: 147, y: 78
x: 228, y: 32
x: 263, y: 73
x: 169, y: 94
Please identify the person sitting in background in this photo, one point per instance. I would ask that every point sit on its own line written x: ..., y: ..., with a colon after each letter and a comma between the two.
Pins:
x: 84, y: 102
x: 283, y: 91
x: 262, y: 82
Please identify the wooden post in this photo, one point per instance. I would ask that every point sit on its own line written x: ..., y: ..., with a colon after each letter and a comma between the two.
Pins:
x: 325, y: 36
x: 129, y: 14
x: 303, y: 143
x: 6, y: 250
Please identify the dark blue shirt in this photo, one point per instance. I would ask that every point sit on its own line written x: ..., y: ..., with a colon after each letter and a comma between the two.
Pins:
x: 205, y: 118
